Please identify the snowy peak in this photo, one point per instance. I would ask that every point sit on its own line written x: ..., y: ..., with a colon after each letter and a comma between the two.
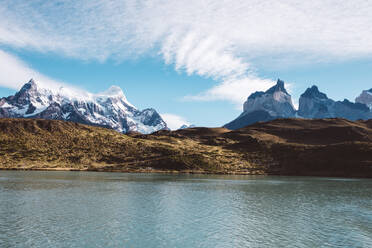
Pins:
x: 115, y: 95
x: 113, y: 91
x: 108, y: 109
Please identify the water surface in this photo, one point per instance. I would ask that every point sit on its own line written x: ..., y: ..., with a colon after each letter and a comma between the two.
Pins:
x: 88, y: 209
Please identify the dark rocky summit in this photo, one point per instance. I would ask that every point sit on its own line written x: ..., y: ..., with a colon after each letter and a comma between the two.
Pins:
x: 264, y: 106
x: 315, y: 104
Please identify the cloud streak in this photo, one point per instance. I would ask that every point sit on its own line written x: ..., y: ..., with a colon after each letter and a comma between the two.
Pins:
x: 233, y: 90
x: 223, y: 40
x: 14, y: 73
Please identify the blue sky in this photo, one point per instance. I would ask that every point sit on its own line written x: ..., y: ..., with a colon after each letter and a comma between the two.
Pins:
x: 194, y: 61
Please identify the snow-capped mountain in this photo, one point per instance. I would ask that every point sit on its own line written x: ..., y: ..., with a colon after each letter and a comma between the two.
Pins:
x: 276, y: 103
x: 315, y: 104
x: 108, y: 109
x: 365, y: 98
x: 264, y: 106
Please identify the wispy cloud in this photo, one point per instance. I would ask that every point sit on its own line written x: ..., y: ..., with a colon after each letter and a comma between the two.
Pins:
x: 233, y: 90
x: 14, y: 73
x: 222, y: 40
x: 174, y: 121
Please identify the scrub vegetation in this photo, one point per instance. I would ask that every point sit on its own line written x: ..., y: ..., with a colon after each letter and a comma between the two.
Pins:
x: 324, y: 147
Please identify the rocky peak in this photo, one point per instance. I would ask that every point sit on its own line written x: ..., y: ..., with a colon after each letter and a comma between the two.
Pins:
x: 278, y: 87
x: 357, y: 105
x: 256, y: 94
x: 314, y: 92
x: 29, y: 87
x: 315, y: 104
x: 276, y: 101
x: 365, y: 98
x: 26, y: 94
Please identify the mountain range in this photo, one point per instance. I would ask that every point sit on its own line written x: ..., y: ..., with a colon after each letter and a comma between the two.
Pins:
x: 276, y: 103
x: 109, y: 109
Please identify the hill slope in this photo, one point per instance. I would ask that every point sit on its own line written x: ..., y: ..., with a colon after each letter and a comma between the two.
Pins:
x: 324, y: 147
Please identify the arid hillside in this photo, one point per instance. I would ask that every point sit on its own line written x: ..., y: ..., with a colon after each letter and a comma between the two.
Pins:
x: 324, y: 147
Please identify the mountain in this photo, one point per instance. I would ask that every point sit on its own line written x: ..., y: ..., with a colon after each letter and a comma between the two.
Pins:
x: 264, y: 106
x: 276, y: 103
x: 365, y: 98
x: 109, y: 109
x: 315, y: 104
x: 302, y: 147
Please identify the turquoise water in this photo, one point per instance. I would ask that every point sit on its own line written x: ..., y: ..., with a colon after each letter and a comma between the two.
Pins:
x: 87, y: 209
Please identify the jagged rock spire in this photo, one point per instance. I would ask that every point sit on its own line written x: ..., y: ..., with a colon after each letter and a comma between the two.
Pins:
x: 278, y: 87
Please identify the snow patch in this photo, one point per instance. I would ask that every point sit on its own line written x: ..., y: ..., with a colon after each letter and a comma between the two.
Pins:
x: 7, y: 105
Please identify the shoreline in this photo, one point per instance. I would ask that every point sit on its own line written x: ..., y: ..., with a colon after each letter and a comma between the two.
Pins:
x: 136, y: 171
x: 173, y: 172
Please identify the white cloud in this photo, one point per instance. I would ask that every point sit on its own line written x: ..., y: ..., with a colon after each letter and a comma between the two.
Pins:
x: 174, y: 121
x: 249, y: 29
x: 216, y: 39
x: 234, y: 90
x: 14, y: 73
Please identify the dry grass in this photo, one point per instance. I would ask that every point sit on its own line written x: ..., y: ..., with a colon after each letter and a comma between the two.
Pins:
x: 331, y: 147
x: 28, y: 143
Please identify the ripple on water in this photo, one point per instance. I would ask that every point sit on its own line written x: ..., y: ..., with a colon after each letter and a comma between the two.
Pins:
x: 69, y: 209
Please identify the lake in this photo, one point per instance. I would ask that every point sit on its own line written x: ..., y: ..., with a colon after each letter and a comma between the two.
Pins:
x: 93, y: 209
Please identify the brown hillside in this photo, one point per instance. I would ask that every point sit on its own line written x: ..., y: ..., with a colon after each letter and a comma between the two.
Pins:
x: 324, y: 147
